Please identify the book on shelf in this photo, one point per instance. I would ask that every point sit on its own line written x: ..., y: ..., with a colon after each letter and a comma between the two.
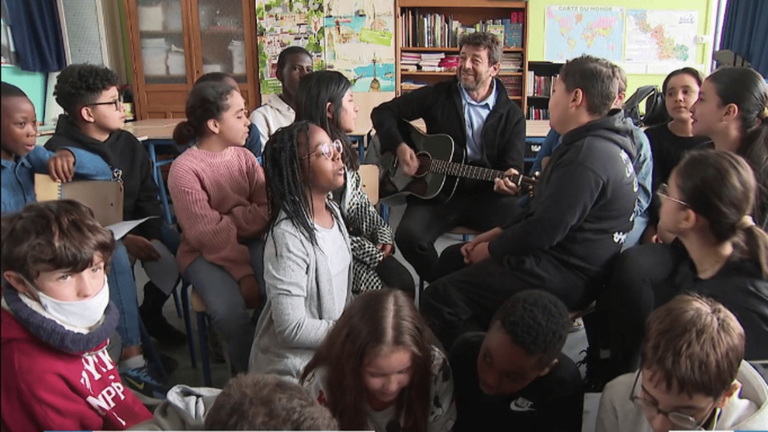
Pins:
x: 538, y: 113
x: 432, y: 30
x: 540, y: 85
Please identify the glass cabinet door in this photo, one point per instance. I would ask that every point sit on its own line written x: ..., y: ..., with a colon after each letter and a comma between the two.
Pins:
x: 222, y: 37
x: 161, y: 32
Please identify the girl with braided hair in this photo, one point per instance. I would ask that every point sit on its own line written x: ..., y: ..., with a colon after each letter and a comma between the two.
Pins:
x: 307, y: 257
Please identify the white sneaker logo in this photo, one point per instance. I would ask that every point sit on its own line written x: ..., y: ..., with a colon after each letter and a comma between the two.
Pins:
x: 521, y: 405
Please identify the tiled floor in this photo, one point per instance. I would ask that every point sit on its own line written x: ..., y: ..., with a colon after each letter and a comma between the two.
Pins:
x: 185, y: 374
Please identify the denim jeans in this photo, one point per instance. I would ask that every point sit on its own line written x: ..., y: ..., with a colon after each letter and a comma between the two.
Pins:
x: 225, y: 305
x: 122, y: 292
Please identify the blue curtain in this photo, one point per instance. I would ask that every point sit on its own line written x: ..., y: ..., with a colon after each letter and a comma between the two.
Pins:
x: 36, y: 35
x: 745, y: 32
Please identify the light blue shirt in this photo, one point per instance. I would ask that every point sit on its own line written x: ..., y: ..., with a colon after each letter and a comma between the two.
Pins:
x: 475, y: 114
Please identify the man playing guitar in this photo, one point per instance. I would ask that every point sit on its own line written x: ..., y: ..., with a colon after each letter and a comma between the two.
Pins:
x: 476, y: 112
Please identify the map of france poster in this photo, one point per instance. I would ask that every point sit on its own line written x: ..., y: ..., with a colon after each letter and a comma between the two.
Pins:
x: 656, y: 36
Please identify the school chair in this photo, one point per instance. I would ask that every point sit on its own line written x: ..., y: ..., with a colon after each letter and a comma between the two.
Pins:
x: 369, y: 174
x: 193, y: 301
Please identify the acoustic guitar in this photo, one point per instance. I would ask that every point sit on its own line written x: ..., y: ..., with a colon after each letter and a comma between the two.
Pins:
x: 441, y: 166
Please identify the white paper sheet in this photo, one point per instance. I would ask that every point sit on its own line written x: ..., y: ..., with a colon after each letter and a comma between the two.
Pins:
x: 120, y: 229
x: 164, y: 273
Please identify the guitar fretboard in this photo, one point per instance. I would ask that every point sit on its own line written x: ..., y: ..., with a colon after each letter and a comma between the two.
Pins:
x: 461, y: 170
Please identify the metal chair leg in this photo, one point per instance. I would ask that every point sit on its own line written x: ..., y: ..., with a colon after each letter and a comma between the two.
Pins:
x: 188, y: 323
x: 203, y: 336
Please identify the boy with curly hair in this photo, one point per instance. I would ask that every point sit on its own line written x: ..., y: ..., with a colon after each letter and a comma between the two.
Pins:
x: 93, y: 122
x: 515, y: 376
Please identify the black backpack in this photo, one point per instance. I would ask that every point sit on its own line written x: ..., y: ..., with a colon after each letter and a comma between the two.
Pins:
x: 655, y: 110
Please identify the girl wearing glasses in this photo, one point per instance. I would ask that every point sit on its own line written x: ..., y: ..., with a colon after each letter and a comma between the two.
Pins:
x: 220, y: 198
x: 307, y: 259
x: 325, y: 98
x: 718, y: 252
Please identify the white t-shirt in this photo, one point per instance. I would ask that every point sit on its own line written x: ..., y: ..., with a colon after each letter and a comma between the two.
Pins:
x: 332, y: 243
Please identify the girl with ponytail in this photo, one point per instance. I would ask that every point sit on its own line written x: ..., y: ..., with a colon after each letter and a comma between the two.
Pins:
x: 718, y: 252
x: 732, y: 111
x: 220, y: 198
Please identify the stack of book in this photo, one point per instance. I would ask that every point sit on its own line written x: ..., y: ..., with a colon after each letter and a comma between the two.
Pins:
x: 409, y: 61
x: 430, y: 62
x: 409, y: 85
x: 513, y: 84
x: 511, y: 62
x: 450, y: 62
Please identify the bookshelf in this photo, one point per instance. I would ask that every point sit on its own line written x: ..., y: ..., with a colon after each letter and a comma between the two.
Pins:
x: 541, y: 77
x: 427, y: 40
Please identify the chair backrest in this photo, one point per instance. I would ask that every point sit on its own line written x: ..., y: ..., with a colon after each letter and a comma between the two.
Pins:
x: 369, y: 174
x: 105, y: 198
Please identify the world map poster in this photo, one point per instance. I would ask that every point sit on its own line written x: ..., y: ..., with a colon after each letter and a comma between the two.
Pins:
x: 656, y: 36
x: 571, y: 31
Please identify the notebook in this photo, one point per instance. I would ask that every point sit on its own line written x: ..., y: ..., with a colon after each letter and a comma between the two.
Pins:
x: 105, y: 198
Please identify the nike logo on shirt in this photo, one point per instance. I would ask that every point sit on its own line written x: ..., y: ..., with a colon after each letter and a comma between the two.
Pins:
x: 521, y: 405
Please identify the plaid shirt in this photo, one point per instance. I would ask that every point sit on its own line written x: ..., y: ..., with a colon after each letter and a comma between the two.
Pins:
x: 367, y: 230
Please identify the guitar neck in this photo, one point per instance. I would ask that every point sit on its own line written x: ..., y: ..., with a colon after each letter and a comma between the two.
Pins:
x: 464, y: 171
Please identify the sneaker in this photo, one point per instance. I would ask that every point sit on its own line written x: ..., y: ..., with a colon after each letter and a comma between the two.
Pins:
x: 141, y: 382
x: 576, y: 325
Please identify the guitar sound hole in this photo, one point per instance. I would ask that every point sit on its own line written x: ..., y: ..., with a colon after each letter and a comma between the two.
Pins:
x: 425, y: 159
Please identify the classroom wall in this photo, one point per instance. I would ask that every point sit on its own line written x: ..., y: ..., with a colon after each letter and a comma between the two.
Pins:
x: 536, y: 19
x: 33, y: 84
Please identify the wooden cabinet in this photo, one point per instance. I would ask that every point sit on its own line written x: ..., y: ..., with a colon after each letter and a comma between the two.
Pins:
x: 426, y: 28
x: 174, y: 42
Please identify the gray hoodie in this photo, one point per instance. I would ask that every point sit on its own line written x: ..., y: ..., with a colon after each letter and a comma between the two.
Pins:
x: 184, y: 409
x: 747, y: 410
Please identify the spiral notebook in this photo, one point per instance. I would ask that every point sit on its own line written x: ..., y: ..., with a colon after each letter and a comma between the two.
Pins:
x: 104, y: 197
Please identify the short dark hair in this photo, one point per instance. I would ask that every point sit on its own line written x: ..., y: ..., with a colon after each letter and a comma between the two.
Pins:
x: 53, y: 235
x: 267, y: 402
x: 10, y: 90
x: 694, y: 345
x: 483, y: 40
x: 282, y: 59
x: 537, y: 321
x: 214, y: 77
x: 595, y: 77
x: 81, y: 84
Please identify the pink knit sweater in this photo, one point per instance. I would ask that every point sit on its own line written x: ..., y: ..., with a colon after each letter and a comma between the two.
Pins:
x: 220, y: 200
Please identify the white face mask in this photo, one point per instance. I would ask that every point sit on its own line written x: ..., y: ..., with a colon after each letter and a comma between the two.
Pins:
x: 82, y: 313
